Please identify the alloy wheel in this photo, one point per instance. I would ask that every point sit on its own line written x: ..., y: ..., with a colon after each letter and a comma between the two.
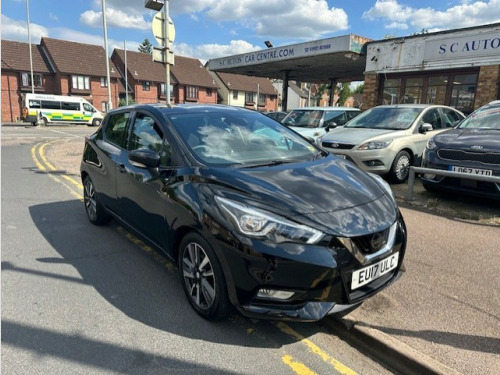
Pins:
x: 198, y: 275
x: 90, y: 200
x: 402, y: 167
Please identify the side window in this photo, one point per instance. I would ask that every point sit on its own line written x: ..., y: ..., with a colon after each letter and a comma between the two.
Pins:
x: 70, y: 106
x: 450, y: 117
x: 432, y: 117
x: 146, y: 134
x: 116, y: 128
x: 88, y: 107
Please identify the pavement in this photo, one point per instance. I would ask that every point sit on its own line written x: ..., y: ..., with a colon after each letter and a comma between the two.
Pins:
x: 389, y: 349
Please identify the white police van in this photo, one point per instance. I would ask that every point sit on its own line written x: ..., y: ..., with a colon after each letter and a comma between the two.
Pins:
x: 40, y: 108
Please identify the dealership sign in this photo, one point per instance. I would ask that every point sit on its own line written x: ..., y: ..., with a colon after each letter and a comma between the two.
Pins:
x: 470, y: 46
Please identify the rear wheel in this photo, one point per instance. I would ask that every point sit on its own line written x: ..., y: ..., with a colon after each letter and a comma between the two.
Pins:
x: 96, y: 122
x: 95, y: 212
x: 202, y: 278
x: 400, y: 167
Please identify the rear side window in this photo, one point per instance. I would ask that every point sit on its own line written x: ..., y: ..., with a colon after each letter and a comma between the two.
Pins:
x: 450, y: 117
x: 51, y: 104
x: 116, y: 128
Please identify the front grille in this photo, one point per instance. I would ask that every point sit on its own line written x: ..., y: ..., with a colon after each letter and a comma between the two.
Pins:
x: 337, y: 146
x: 459, y: 155
x: 371, y: 243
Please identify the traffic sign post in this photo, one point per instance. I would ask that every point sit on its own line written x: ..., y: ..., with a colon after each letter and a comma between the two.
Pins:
x: 164, y: 33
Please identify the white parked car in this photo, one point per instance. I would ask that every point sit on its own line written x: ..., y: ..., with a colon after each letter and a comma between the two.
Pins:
x: 312, y: 122
x: 388, y: 139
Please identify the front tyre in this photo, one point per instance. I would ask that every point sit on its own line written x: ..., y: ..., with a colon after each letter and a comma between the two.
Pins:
x: 202, y: 278
x: 95, y: 212
x: 400, y: 167
x: 96, y: 122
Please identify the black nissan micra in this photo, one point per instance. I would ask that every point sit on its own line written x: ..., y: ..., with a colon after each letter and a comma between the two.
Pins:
x: 251, y: 213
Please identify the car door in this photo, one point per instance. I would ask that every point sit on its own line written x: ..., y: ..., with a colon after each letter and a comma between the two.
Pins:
x: 140, y: 191
x: 430, y: 116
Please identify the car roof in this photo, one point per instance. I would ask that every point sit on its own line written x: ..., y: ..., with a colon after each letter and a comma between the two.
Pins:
x: 180, y: 108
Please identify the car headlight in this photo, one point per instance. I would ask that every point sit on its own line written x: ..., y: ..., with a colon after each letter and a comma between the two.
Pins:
x: 257, y: 223
x: 431, y: 145
x: 375, y: 145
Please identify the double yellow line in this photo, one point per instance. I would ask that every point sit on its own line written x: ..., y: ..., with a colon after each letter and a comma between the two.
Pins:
x: 75, y: 188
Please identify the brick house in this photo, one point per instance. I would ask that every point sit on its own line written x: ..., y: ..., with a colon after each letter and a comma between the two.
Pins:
x: 246, y: 91
x: 189, y: 80
x: 80, y: 70
x: 16, y: 76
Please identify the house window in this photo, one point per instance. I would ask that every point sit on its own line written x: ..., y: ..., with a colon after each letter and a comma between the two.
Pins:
x: 104, y: 82
x: 191, y: 92
x: 235, y: 94
x: 26, y: 79
x: 262, y: 99
x: 162, y: 90
x: 104, y: 106
x: 146, y: 86
x: 249, y: 99
x: 209, y: 92
x: 81, y: 82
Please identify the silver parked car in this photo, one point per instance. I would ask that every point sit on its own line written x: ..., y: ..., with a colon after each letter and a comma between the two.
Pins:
x: 312, y: 122
x: 388, y: 139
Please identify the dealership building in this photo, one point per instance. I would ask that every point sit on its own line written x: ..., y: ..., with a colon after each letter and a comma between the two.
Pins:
x: 459, y: 68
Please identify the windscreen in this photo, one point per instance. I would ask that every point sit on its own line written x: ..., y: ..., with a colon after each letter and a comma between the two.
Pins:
x: 239, y: 139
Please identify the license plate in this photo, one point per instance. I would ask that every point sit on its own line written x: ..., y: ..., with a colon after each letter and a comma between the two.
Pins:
x: 368, y: 274
x: 474, y: 171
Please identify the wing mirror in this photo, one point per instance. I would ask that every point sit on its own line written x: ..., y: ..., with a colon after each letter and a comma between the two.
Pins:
x: 144, y: 158
x: 329, y: 125
x: 424, y: 128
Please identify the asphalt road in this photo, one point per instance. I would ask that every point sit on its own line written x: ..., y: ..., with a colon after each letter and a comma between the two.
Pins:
x: 81, y: 299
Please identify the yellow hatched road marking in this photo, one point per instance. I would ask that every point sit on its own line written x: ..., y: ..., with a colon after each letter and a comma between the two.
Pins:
x: 38, y: 156
x: 337, y: 365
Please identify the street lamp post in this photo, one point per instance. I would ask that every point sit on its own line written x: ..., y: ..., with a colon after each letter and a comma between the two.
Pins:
x: 110, y: 103
x: 29, y: 46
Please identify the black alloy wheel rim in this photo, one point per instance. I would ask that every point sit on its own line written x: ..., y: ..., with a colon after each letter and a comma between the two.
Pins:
x: 90, y: 200
x: 198, y: 275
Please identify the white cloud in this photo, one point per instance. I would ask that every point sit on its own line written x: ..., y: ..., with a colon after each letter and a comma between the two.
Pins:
x: 468, y: 13
x: 53, y: 17
x: 281, y: 18
x: 18, y: 30
x: 206, y: 52
x: 117, y: 18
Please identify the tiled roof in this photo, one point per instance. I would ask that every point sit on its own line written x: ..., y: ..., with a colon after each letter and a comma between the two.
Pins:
x: 141, y: 66
x: 247, y: 83
x: 78, y: 58
x: 186, y: 71
x: 190, y: 71
x: 16, y: 56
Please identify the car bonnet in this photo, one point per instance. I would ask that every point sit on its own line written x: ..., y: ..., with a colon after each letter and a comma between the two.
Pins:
x: 331, y: 193
x: 353, y: 135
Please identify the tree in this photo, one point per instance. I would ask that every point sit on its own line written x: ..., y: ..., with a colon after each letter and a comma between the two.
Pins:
x: 359, y: 89
x: 146, y: 47
x: 344, y: 90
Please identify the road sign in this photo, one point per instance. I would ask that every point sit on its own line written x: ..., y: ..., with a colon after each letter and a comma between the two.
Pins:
x: 160, y: 56
x: 157, y: 26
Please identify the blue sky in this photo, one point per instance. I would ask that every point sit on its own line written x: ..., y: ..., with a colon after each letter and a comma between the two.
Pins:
x: 208, y: 29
